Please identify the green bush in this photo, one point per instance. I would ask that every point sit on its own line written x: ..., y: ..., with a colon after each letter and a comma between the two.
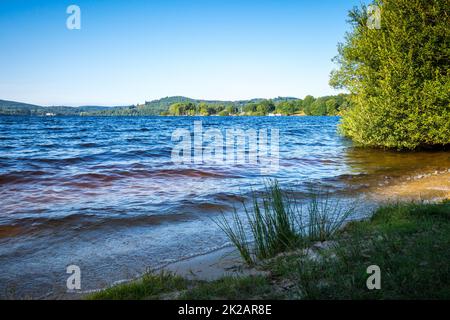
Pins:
x: 398, y: 75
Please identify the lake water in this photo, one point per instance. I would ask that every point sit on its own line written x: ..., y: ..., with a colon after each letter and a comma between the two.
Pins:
x: 104, y: 193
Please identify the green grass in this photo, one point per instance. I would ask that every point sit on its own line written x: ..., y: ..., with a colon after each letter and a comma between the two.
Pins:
x: 151, y: 286
x: 409, y: 242
x: 277, y: 223
x: 232, y: 288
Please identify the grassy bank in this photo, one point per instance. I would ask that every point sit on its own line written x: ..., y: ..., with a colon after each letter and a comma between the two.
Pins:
x: 409, y: 242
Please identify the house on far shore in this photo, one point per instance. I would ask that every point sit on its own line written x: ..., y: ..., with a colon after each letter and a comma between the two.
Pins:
x: 50, y: 114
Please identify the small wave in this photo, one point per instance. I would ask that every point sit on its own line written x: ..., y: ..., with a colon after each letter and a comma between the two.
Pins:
x: 9, y: 231
x: 49, y: 145
x: 299, y: 161
x: 347, y: 176
x: 55, y: 128
x: 202, y: 206
x: 38, y: 225
x: 70, y: 160
x: 194, y: 173
x: 94, y: 177
x: 142, y: 153
x: 229, y: 197
x: 88, y: 145
x: 21, y: 176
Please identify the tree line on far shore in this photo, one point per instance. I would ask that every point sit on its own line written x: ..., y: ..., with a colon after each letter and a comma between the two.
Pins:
x: 322, y: 106
x: 183, y: 106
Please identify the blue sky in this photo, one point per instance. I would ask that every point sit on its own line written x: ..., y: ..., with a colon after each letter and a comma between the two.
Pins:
x: 131, y: 51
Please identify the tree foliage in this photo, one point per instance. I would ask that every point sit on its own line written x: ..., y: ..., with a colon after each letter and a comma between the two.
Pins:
x: 330, y: 105
x: 398, y: 75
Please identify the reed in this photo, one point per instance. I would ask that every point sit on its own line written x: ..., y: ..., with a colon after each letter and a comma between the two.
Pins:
x: 326, y: 217
x: 275, y: 223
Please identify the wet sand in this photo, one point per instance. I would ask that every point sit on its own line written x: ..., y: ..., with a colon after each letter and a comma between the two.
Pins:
x: 212, y: 266
x: 427, y: 186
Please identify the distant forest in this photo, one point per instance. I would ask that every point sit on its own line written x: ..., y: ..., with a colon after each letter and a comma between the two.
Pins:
x: 182, y: 106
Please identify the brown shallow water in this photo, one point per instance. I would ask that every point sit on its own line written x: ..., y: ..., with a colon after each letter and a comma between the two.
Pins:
x: 426, y: 186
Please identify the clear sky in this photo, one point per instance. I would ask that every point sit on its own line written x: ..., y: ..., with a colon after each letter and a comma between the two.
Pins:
x: 127, y: 52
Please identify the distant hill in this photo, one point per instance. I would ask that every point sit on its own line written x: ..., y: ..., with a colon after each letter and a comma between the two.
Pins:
x: 18, y: 108
x: 25, y: 109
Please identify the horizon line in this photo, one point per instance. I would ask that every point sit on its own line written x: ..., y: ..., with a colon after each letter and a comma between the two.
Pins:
x: 165, y: 97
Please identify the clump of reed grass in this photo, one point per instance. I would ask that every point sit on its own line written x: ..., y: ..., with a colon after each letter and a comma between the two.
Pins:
x: 325, y: 218
x: 275, y: 223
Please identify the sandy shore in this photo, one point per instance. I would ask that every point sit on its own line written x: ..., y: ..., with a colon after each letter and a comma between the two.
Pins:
x: 427, y: 186
x: 212, y: 266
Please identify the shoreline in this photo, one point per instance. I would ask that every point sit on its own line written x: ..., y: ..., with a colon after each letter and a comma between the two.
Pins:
x: 170, y: 116
x: 207, y: 266
x: 427, y: 186
x: 410, y: 240
x: 430, y: 187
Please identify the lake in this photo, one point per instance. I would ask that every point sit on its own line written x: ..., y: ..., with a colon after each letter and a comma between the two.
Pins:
x: 104, y: 193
